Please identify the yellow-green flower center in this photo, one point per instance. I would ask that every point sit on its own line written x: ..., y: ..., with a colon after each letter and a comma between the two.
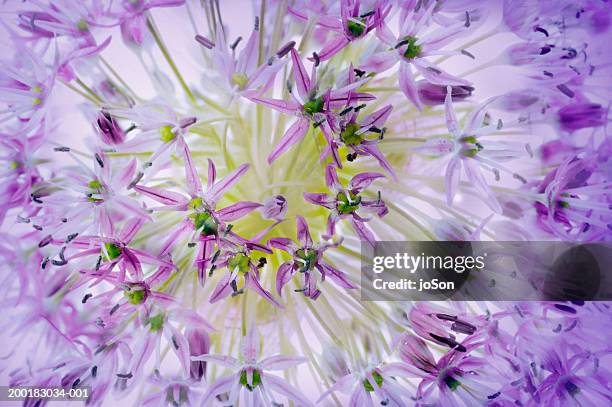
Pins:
x: 135, y: 297
x: 239, y: 261
x: 349, y: 135
x: 470, y: 146
x: 412, y: 49
x: 112, y: 251
x: 205, y: 223
x: 451, y: 382
x: 156, y: 323
x: 307, y: 259
x: 314, y: 106
x: 356, y: 28
x: 240, y: 80
x: 95, y: 184
x: 166, y: 134
x: 82, y: 25
x: 347, y: 202
x: 256, y: 379
x: 377, y: 378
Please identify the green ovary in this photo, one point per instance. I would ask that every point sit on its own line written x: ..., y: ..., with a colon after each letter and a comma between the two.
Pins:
x: 412, y: 49
x: 256, y: 379
x: 471, y: 146
x: 196, y: 203
x: 307, y: 258
x: 135, y: 297
x: 349, y: 136
x: 82, y: 25
x: 156, y: 322
x: 205, y: 222
x: 95, y: 184
x: 240, y: 80
x: 314, y: 106
x: 377, y: 378
x: 166, y: 134
x: 451, y: 382
x: 356, y: 28
x: 347, y: 202
x: 112, y: 250
x: 239, y: 261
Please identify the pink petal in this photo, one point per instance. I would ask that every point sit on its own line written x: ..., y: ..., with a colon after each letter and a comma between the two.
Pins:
x: 130, y: 229
x: 283, y: 276
x: 281, y: 386
x: 180, y: 346
x: 331, y: 178
x: 380, y: 62
x: 247, y: 60
x: 212, y: 173
x: 375, y: 152
x: 252, y: 282
x: 337, y: 276
x: 303, y: 234
x: 123, y: 178
x: 302, y: 80
x: 378, y: 118
x: 147, y: 258
x: 192, y: 319
x: 451, y: 179
x: 332, y: 146
x: 414, y: 351
x: 127, y: 204
x: 162, y: 196
x: 222, y: 289
x: 184, y: 227
x: 281, y: 362
x: 237, y: 210
x: 222, y: 186
x: 250, y: 345
x: 132, y: 263
x: 332, y: 219
x: 385, y: 35
x: 194, y: 186
x: 333, y: 47
x: 205, y: 251
x: 475, y: 118
x: 221, y: 386
x: 320, y: 199
x: 441, y: 37
x: 363, y: 231
x: 142, y: 351
x: 281, y: 243
x: 361, y: 181
x: 449, y: 112
x: 408, y: 86
x: 225, y: 361
x: 342, y: 384
x: 474, y: 174
x: 283, y: 106
x: 295, y: 133
x: 437, y: 76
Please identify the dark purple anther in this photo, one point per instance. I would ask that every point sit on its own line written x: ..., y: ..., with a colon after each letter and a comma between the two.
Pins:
x: 205, y: 42
x: 433, y: 95
x: 109, y: 129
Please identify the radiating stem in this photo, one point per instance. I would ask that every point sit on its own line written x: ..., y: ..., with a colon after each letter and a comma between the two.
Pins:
x: 164, y: 51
